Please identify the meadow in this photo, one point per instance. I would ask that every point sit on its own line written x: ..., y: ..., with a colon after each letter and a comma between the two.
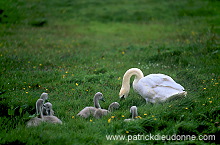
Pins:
x: 73, y: 49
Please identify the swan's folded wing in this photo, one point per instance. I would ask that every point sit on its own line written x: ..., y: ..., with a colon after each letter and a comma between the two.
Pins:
x: 154, y: 80
x: 145, y: 89
x: 173, y: 85
x: 158, y: 86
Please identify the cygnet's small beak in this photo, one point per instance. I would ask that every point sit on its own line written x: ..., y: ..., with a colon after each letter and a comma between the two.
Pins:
x: 103, y: 99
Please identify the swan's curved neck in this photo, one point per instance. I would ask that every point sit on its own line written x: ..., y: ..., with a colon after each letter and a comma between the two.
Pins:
x: 41, y: 113
x: 134, y: 113
x: 39, y: 106
x: 110, y: 107
x: 96, y: 102
x: 129, y: 73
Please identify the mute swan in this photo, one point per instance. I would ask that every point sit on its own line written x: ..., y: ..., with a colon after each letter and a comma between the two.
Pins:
x: 47, y: 109
x: 153, y: 88
x: 87, y: 111
x: 36, y: 120
x: 133, y: 111
x: 102, y: 112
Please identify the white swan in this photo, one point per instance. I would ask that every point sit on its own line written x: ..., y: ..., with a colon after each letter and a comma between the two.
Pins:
x: 87, y: 111
x: 134, y: 113
x: 103, y: 112
x: 153, y: 88
x: 36, y: 120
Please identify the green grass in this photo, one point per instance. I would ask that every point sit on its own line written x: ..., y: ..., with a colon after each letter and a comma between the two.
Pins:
x: 73, y: 49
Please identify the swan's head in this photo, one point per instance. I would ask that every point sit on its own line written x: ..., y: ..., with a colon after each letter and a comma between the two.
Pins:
x: 114, y: 105
x: 123, y: 93
x: 48, y: 107
x: 44, y: 96
x: 99, y: 96
x: 133, y: 109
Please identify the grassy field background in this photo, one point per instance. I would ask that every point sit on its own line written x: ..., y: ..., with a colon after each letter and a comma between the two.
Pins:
x: 73, y: 49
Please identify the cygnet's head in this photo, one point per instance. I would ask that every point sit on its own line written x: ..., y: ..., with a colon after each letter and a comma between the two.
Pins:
x: 99, y: 96
x: 44, y: 96
x: 48, y: 107
x: 115, y: 105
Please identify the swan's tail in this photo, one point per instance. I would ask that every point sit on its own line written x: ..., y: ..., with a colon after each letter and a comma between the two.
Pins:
x: 177, y: 96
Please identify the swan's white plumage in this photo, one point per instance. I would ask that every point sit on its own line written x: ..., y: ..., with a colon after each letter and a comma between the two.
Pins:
x: 154, y: 87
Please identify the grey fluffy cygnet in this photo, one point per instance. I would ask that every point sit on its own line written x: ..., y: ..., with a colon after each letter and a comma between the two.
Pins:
x: 47, y: 109
x: 103, y: 112
x: 134, y: 113
x: 47, y: 106
x: 50, y: 117
x: 36, y: 120
x: 87, y: 111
